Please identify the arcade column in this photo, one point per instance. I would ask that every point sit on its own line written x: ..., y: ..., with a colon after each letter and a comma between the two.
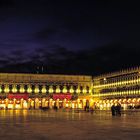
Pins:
x: 84, y: 103
x: 50, y: 103
x: 6, y: 103
x: 57, y: 103
x: 43, y: 102
x: 36, y: 103
x: 91, y: 103
x: 64, y: 103
x: 21, y: 103
x: 29, y: 104
x: 14, y: 103
x: 78, y: 102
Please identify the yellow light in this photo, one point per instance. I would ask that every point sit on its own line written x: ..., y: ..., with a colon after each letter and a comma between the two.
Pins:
x: 64, y: 89
x: 14, y: 89
x: 17, y: 106
x: 71, y: 90
x: 36, y: 89
x: 78, y: 90
x: 44, y: 89
x: 107, y: 101
x: 134, y: 100
x: 91, y: 101
x: 90, y: 91
x: 36, y: 100
x: 73, y: 105
x: 124, y: 100
x: 120, y: 100
x: 50, y: 89
x: 111, y: 101
x: 58, y: 89
x: 129, y: 100
x: 17, y: 101
x: 29, y: 90
x: 25, y: 104
x: 67, y: 105
x: 84, y: 90
x: 84, y: 100
x: 6, y: 89
x: 21, y: 90
x: 10, y: 105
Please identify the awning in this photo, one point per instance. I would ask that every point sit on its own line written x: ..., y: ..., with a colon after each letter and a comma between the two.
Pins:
x: 24, y: 96
x: 62, y: 96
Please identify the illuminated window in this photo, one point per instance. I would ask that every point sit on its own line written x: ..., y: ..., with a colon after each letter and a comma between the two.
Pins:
x: 36, y: 89
x: 29, y: 89
x: 22, y: 90
x: 6, y: 89
x: 44, y: 89
x: 58, y: 89
x: 50, y: 89
x: 71, y: 89
x: 64, y: 89
x: 14, y: 89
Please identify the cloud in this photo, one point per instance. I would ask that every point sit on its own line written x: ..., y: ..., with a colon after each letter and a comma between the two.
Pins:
x: 58, y: 59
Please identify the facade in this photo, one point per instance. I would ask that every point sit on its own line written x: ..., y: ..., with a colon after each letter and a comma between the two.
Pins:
x: 119, y: 87
x: 33, y: 91
x: 27, y: 91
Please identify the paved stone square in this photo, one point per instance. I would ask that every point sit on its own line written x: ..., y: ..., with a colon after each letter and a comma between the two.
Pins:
x: 67, y: 125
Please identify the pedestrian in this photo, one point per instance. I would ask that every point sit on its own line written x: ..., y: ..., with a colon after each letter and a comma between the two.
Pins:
x: 118, y: 109
x: 85, y: 108
x: 91, y: 110
x: 113, y: 110
x: 55, y: 106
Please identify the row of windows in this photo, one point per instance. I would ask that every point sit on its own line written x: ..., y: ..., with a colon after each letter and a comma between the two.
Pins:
x: 43, y: 89
x: 120, y: 89
x: 118, y: 83
x: 125, y: 77
x: 119, y: 93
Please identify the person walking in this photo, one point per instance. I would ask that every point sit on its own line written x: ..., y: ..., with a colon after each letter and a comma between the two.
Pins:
x: 113, y: 110
x: 118, y: 109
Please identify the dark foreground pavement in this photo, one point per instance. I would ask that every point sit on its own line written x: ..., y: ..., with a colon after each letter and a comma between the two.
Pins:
x: 63, y: 125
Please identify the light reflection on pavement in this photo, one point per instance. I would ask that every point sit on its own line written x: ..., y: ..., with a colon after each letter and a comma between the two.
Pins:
x: 42, y: 125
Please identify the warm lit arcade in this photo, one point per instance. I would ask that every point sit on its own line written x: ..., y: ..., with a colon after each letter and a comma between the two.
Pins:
x: 32, y: 91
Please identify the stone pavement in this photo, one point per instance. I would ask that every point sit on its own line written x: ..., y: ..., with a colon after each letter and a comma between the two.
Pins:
x: 64, y: 125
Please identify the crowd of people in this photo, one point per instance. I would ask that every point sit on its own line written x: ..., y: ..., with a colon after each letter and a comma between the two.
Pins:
x: 116, y: 110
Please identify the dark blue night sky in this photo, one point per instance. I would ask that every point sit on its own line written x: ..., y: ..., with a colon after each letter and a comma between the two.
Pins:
x: 68, y: 37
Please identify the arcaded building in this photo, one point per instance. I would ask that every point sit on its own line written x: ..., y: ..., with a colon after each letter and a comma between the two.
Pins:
x: 34, y: 91
x: 31, y: 91
x: 119, y: 87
